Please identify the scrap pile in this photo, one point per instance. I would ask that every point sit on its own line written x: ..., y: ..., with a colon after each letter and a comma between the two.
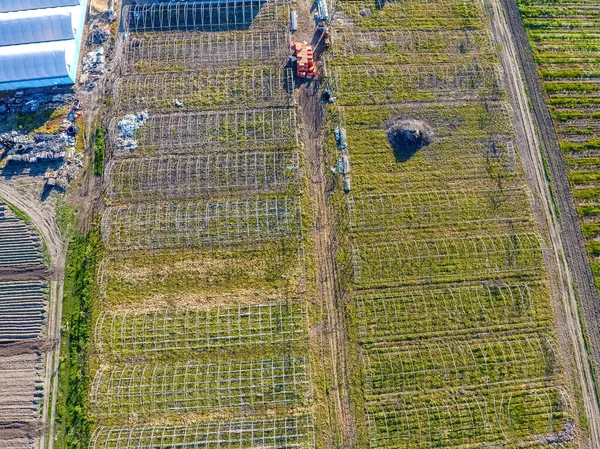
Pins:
x: 65, y: 173
x: 127, y: 129
x: 57, y: 147
x: 92, y: 67
x: 31, y: 101
x: 39, y: 147
x: 99, y: 34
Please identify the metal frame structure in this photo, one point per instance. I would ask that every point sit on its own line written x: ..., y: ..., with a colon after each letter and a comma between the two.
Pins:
x: 385, y: 212
x: 471, y: 421
x: 176, y: 52
x: 125, y: 335
x: 411, y: 14
x: 147, y: 389
x: 221, y: 88
x: 396, y: 315
x: 400, y: 46
x: 436, y: 364
x: 142, y: 179
x: 294, y: 432
x: 460, y: 258
x: 197, y: 224
x: 199, y: 132
x: 211, y: 15
x: 366, y: 85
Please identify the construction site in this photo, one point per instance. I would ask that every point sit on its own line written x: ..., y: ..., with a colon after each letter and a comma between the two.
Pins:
x: 286, y: 224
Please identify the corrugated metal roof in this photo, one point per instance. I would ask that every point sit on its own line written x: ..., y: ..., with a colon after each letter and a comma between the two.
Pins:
x: 37, y: 26
x: 22, y: 5
x: 35, y: 61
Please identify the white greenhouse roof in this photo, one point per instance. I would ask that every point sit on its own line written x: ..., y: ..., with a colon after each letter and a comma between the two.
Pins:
x: 22, y: 5
x: 41, y: 25
x: 36, y: 61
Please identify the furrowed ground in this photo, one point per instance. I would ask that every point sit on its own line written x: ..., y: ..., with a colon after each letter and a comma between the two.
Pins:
x: 565, y: 41
x: 201, y: 331
x: 449, y: 314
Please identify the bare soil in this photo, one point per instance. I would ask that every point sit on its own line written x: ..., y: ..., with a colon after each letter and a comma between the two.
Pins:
x: 42, y: 213
x: 24, y: 274
x: 19, y: 435
x: 99, y: 6
x: 38, y: 345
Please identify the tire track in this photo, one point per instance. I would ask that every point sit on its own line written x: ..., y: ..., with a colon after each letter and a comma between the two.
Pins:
x: 311, y: 117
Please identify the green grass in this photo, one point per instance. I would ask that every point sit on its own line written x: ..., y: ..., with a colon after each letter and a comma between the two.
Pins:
x: 99, y: 147
x: 73, y: 419
x: 137, y: 278
x: 441, y: 259
x: 18, y: 212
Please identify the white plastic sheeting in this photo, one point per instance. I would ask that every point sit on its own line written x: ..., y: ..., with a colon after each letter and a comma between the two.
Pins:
x: 22, y: 5
x: 36, y: 61
x: 42, y: 25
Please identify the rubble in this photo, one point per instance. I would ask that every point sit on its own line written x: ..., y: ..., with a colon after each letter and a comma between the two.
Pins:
x: 30, y: 106
x: 20, y: 147
x: 31, y: 149
x: 92, y: 67
x: 32, y: 102
x: 61, y: 177
x: 98, y: 34
x: 127, y: 129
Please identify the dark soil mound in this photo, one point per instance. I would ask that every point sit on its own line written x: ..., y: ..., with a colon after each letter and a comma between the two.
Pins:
x: 406, y: 136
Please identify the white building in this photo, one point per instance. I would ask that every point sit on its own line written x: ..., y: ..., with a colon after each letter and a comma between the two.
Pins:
x: 40, y: 41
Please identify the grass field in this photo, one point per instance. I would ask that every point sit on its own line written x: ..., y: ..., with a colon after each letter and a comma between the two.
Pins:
x: 450, y: 310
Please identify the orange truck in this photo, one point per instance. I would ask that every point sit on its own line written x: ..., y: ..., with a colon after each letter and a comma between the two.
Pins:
x: 305, y: 64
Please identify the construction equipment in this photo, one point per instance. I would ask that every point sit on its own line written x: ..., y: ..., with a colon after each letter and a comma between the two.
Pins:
x: 340, y: 138
x: 322, y: 10
x: 305, y: 64
x: 325, y: 38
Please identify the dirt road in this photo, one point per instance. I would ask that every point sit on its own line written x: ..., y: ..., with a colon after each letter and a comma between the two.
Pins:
x: 565, y: 236
x: 311, y: 118
x: 43, y: 217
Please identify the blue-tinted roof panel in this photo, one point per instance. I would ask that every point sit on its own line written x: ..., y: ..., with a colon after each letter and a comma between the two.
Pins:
x: 23, y: 5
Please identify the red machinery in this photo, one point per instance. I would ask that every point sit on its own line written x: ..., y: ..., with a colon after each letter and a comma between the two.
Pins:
x: 305, y: 64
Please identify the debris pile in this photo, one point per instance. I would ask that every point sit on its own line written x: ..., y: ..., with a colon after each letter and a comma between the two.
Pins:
x: 98, y: 34
x: 57, y: 147
x: 31, y: 149
x: 31, y: 101
x: 406, y: 136
x: 127, y: 129
x: 92, y: 67
x: 61, y: 177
